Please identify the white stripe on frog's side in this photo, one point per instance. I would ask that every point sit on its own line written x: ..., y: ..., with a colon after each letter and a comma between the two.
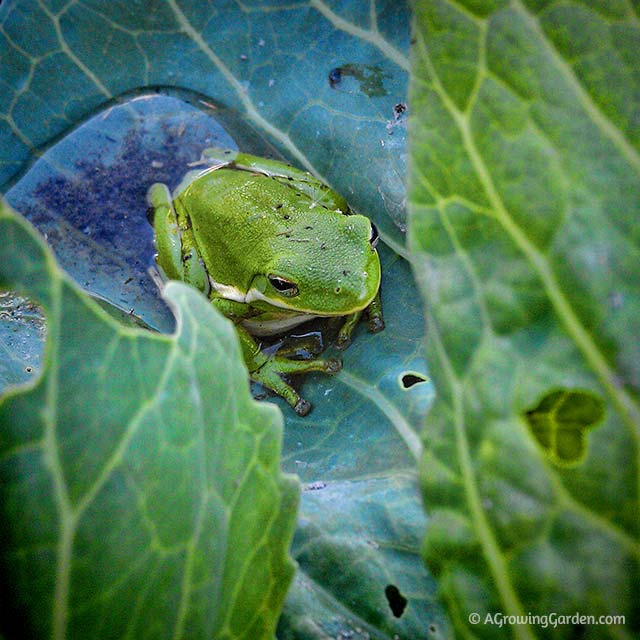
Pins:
x: 227, y: 291
x: 272, y: 327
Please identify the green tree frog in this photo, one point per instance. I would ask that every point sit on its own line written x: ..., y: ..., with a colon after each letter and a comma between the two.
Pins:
x: 272, y: 247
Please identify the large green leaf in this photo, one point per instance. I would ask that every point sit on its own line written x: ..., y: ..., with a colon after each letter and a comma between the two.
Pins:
x: 525, y: 192
x: 269, y: 66
x: 141, y: 491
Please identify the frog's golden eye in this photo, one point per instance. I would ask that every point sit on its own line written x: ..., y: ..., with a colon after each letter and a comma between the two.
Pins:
x: 283, y: 286
x: 374, y: 237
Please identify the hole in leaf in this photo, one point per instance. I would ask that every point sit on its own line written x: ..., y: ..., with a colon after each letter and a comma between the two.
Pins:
x: 410, y: 378
x: 397, y: 602
x: 561, y: 421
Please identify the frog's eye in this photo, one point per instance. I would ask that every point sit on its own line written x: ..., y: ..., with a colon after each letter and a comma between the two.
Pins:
x: 283, y: 286
x: 374, y: 237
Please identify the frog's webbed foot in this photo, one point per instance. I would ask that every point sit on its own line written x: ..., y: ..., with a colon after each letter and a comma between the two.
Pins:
x: 269, y: 375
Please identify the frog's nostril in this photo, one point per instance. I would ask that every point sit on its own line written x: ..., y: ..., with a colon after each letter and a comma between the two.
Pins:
x: 338, y: 289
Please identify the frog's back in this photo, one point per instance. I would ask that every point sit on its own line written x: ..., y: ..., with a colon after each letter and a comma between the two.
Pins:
x: 243, y: 221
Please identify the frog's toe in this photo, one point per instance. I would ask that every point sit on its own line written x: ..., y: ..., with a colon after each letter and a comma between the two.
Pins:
x: 375, y: 324
x: 333, y: 365
x: 302, y: 407
x: 343, y: 341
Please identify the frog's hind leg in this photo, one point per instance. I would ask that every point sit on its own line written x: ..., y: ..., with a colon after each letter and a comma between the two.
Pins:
x: 177, y: 255
x: 167, y: 231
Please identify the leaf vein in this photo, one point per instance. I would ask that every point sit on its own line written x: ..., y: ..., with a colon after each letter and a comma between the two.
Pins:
x: 372, y: 36
x: 602, y: 121
x: 493, y: 555
x: 410, y: 437
x: 250, y: 108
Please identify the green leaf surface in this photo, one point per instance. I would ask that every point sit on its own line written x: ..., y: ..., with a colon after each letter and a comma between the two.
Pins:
x: 267, y: 65
x: 524, y: 197
x: 141, y: 488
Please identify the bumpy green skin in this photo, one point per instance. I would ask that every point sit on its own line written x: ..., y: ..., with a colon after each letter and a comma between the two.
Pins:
x: 271, y: 246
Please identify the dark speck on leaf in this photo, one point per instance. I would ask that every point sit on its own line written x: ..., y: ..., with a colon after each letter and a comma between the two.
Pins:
x: 369, y: 76
x: 335, y: 76
x: 399, y: 108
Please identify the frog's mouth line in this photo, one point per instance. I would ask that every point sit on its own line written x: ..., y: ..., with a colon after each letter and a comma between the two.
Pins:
x: 233, y: 293
x: 254, y: 295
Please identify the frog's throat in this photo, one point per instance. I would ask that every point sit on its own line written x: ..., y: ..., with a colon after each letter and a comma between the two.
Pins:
x: 258, y: 327
x: 229, y: 292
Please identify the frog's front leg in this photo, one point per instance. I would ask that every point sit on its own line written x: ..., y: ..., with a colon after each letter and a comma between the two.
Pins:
x: 375, y: 322
x: 267, y: 370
